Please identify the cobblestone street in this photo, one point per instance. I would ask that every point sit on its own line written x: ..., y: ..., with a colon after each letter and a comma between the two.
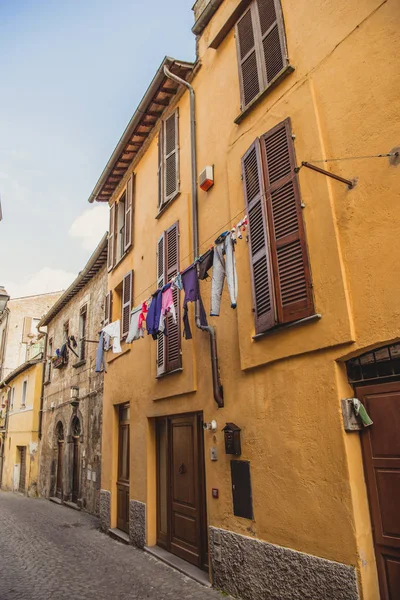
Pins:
x: 50, y: 551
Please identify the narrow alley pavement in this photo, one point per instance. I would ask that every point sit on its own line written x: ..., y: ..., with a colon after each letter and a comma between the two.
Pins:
x: 52, y: 552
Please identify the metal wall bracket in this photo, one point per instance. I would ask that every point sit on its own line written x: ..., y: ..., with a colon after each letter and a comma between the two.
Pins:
x: 349, y: 182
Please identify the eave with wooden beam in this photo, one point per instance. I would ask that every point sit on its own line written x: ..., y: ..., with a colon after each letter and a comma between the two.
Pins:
x: 151, y: 108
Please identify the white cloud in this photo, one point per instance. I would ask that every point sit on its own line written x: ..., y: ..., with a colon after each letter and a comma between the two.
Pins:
x: 90, y: 226
x: 44, y: 281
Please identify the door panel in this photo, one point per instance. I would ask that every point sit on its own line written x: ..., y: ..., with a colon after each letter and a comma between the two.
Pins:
x: 381, y: 453
x: 123, y: 469
x: 59, y: 484
x: 75, y: 470
x: 22, y: 472
x: 181, y: 520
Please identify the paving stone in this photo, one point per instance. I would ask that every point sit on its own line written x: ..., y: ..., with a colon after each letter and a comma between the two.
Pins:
x: 50, y: 552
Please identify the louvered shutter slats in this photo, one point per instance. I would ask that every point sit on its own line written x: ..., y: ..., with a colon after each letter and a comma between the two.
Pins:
x: 107, y: 308
x: 110, y: 249
x: 128, y: 213
x: 261, y: 47
x: 126, y: 302
x: 171, y: 157
x: 287, y: 235
x: 263, y: 294
x: 161, y: 340
x: 173, y: 329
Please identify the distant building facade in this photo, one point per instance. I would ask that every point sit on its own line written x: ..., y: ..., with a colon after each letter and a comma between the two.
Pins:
x: 70, y: 434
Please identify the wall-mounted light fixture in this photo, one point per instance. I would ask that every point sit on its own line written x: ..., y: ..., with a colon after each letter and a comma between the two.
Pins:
x: 74, y: 396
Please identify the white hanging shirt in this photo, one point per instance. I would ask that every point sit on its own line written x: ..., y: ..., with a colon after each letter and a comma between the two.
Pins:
x: 114, y: 331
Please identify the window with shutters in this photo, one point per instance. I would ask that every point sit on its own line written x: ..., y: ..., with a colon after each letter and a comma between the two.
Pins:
x: 82, y: 332
x: 169, y: 356
x: 261, y: 49
x: 49, y: 357
x: 127, y: 295
x: 282, y: 289
x: 168, y: 160
x: 108, y: 308
x: 24, y: 392
x: 120, y: 233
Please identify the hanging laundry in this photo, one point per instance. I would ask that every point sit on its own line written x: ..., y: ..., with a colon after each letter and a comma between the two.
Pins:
x: 107, y: 342
x: 167, y: 306
x: 177, y: 282
x: 100, y: 361
x: 135, y: 332
x: 206, y: 263
x: 143, y: 315
x: 224, y: 265
x: 191, y: 286
x: 114, y: 331
x: 153, y: 315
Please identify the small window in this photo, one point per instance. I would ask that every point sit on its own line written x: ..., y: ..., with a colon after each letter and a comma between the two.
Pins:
x: 168, y: 160
x: 12, y: 397
x: 120, y: 229
x: 120, y: 233
x: 65, y: 339
x: 261, y: 48
x: 49, y: 357
x: 82, y: 332
x: 24, y: 390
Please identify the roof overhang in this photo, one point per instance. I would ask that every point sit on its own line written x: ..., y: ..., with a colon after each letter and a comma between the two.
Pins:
x: 93, y: 266
x: 24, y: 367
x: 158, y: 96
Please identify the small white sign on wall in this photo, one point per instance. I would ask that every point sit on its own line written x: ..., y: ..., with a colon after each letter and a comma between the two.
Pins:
x: 89, y: 475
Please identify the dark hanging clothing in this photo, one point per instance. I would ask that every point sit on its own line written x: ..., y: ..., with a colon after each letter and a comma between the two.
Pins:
x: 206, y: 263
x: 153, y: 316
x: 191, y: 286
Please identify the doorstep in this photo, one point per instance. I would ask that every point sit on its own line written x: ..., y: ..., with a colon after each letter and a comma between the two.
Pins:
x: 119, y: 535
x: 55, y: 500
x: 72, y: 505
x: 179, y: 564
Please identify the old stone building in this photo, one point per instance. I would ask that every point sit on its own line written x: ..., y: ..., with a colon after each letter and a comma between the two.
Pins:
x: 70, y: 427
x: 18, y: 333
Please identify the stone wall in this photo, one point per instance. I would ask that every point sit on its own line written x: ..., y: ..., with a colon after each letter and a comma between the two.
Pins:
x: 57, y: 410
x: 251, y: 569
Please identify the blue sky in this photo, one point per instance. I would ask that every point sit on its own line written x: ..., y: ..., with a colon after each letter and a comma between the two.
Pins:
x: 72, y: 74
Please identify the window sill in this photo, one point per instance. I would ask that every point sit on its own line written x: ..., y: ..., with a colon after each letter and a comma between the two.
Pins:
x: 180, y: 370
x: 279, y: 328
x: 282, y: 75
x: 166, y: 205
x: 80, y: 363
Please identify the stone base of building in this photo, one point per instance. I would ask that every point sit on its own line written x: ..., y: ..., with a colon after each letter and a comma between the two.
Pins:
x: 256, y: 570
x: 137, y: 523
x: 105, y: 509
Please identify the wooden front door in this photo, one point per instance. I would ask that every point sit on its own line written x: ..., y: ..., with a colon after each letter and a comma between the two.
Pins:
x: 75, y: 469
x: 182, y: 526
x: 22, y: 471
x: 381, y: 453
x: 59, y: 484
x: 123, y: 470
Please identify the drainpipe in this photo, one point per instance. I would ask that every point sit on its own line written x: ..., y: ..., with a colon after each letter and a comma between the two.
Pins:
x: 217, y: 386
x: 4, y: 434
x: 42, y: 388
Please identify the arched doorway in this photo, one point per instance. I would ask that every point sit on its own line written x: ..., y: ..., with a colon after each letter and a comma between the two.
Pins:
x: 75, y: 435
x: 60, y: 452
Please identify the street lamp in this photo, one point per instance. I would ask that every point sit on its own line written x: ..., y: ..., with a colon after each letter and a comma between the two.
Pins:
x: 4, y: 298
x: 74, y: 396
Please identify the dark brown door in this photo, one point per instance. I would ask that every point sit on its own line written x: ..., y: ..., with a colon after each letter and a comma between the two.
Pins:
x: 123, y: 470
x: 182, y: 527
x: 381, y: 452
x: 75, y: 469
x: 22, y: 471
x: 59, y: 484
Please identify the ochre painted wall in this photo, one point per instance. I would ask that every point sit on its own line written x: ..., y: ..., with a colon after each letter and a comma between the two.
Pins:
x: 283, y: 390
x: 23, y: 430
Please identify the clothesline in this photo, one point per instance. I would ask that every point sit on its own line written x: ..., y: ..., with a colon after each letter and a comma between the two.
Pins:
x: 212, y: 236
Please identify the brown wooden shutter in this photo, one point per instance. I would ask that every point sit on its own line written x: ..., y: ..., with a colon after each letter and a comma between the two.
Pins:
x: 26, y: 330
x: 272, y: 38
x: 161, y: 339
x: 171, y: 157
x: 261, y: 47
x: 111, y: 232
x: 126, y: 303
x: 288, y: 244
x: 173, y: 329
x: 128, y: 224
x: 160, y: 165
x: 108, y: 308
x: 260, y: 260
x: 250, y: 74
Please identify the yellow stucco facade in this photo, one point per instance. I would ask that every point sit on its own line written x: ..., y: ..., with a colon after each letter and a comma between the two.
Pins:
x: 283, y: 389
x: 20, y: 450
